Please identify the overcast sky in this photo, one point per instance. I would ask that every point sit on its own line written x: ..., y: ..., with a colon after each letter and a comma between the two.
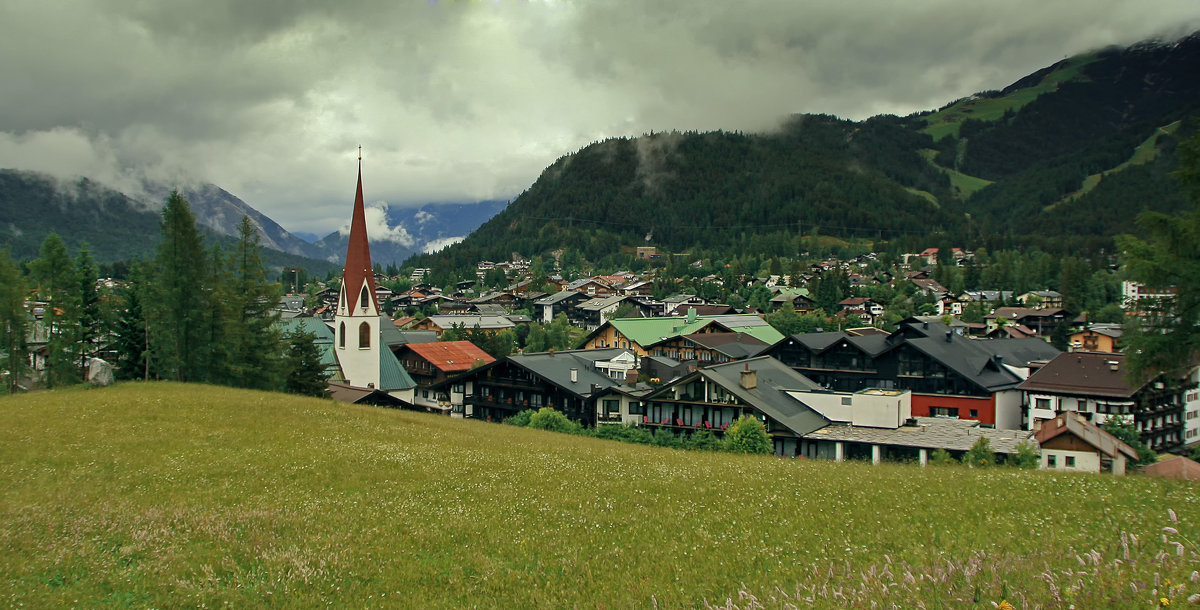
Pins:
x: 470, y: 100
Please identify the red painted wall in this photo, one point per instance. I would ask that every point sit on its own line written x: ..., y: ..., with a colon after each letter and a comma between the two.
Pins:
x: 923, y: 403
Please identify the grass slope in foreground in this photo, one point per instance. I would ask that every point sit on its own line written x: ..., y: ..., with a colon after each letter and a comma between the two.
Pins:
x: 175, y: 495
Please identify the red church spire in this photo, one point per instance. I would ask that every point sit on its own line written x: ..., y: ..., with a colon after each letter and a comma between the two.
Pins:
x: 358, y: 272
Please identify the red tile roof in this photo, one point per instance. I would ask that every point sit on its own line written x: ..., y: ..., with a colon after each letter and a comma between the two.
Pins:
x: 450, y: 356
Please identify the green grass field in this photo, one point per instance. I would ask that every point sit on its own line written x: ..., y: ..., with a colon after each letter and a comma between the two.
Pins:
x: 170, y: 495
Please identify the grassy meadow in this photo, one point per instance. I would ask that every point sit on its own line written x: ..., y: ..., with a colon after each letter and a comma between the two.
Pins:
x: 170, y: 495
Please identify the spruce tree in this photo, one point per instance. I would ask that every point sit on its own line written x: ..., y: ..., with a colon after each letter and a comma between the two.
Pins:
x: 253, y: 342
x: 13, y: 321
x: 58, y: 286
x: 179, y: 307
x: 306, y: 374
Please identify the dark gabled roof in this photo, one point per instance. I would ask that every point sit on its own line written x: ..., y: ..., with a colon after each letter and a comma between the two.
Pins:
x: 1021, y: 352
x: 872, y: 345
x: 968, y: 360
x: 769, y: 396
x: 555, y: 368
x: 559, y: 297
x: 362, y: 396
x: 1084, y: 374
x: 389, y: 335
x: 735, y: 345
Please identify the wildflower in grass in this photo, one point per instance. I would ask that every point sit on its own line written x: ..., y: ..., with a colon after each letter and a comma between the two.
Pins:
x: 1004, y: 605
x: 1162, y: 601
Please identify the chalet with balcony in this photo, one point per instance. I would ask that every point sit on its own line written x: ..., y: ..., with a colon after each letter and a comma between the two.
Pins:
x: 712, y: 398
x: 548, y: 307
x: 569, y: 381
x: 431, y: 364
x: 1097, y: 387
x: 948, y: 374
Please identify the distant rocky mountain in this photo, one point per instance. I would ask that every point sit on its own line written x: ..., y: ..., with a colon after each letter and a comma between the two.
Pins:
x: 117, y: 226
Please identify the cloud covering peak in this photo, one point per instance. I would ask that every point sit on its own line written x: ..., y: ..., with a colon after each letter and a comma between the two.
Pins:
x: 469, y: 100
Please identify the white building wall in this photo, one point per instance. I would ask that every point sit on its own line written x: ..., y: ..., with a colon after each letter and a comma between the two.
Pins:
x: 1191, y: 410
x: 1008, y: 409
x: 1084, y: 461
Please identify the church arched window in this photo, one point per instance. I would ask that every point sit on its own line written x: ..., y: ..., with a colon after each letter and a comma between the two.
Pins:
x: 364, y: 298
x: 364, y: 335
x: 342, y: 335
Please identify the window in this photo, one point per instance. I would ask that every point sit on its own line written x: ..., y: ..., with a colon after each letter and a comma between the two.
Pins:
x: 612, y: 406
x: 458, y: 388
x: 846, y: 400
x: 974, y: 412
x: 1041, y: 403
x: 1070, y: 461
x: 1051, y: 461
x: 637, y: 408
x: 342, y: 335
x: 364, y: 297
x: 943, y: 411
x: 364, y: 335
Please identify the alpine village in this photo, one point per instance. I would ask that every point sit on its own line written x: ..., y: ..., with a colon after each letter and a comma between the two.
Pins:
x: 989, y: 310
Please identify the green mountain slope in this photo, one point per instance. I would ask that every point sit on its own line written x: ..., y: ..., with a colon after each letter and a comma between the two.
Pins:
x: 726, y: 191
x: 1063, y: 159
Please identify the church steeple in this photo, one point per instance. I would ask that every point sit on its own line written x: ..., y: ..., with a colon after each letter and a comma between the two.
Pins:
x: 357, y: 318
x: 358, y: 273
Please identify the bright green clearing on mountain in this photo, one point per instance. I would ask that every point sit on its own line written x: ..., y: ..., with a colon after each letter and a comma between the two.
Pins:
x: 152, y: 495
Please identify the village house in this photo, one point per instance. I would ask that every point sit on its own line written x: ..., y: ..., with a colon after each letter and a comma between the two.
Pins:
x: 441, y: 324
x: 1040, y: 321
x: 1097, y: 386
x: 1072, y: 442
x: 547, y: 308
x: 1097, y: 338
x: 948, y: 374
x: 1041, y: 299
x: 568, y: 381
x: 431, y: 364
x: 642, y: 335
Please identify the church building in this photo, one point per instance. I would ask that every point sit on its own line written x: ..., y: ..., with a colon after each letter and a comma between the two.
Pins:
x: 364, y: 362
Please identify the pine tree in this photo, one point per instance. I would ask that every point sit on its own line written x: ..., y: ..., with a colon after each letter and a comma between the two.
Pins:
x: 58, y: 286
x: 306, y: 374
x: 89, y: 305
x: 128, y: 326
x: 1167, y: 336
x: 13, y: 321
x: 179, y: 308
x: 251, y: 341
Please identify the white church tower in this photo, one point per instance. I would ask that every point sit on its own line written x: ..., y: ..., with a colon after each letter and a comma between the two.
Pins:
x: 356, y: 323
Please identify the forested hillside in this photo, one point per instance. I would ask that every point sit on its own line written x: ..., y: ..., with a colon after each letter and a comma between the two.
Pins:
x: 1062, y: 160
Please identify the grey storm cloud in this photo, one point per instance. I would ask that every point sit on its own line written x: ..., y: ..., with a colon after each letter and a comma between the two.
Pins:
x: 469, y: 99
